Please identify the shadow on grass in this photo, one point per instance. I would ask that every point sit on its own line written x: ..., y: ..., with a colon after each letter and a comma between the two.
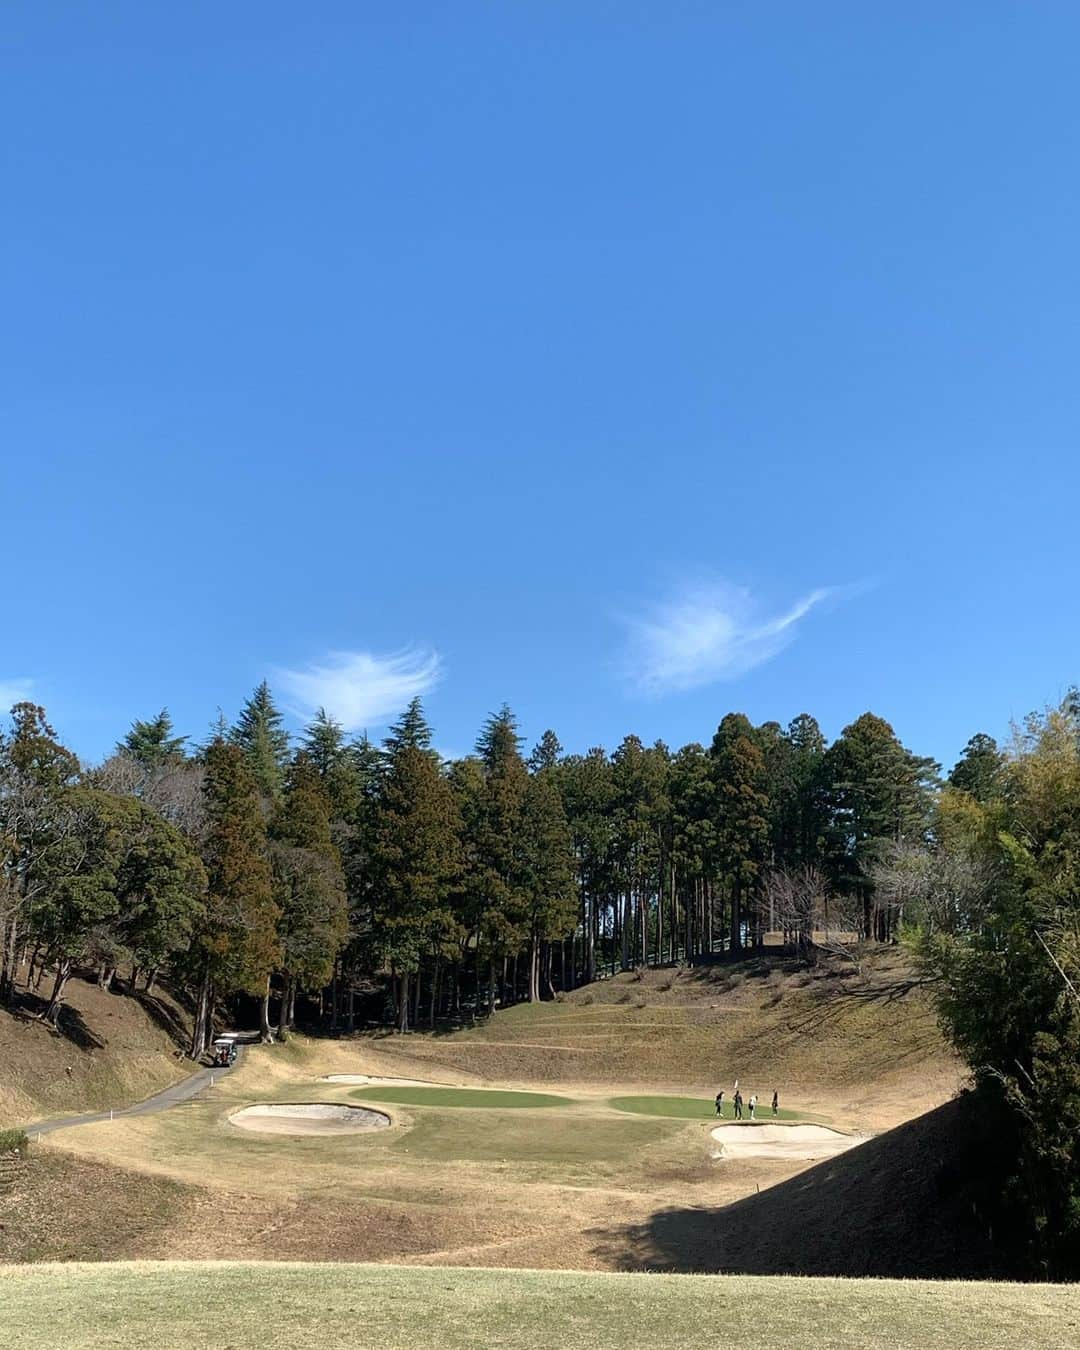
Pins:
x: 914, y: 1203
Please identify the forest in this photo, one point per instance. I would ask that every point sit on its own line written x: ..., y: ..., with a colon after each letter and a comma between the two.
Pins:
x: 347, y: 884
x: 329, y: 869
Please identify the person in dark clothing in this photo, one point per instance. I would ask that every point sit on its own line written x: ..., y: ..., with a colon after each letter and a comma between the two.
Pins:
x: 720, y: 1102
x: 738, y: 1104
x: 776, y: 1103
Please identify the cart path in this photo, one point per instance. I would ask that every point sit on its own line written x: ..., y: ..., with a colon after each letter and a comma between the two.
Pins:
x: 176, y: 1095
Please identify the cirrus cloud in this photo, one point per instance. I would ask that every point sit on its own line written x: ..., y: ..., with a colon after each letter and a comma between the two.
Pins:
x: 12, y: 692
x: 361, y: 689
x: 706, y: 632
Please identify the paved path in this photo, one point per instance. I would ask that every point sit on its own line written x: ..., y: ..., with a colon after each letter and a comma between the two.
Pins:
x: 176, y: 1095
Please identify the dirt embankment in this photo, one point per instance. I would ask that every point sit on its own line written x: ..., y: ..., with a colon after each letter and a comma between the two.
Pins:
x: 108, y: 1049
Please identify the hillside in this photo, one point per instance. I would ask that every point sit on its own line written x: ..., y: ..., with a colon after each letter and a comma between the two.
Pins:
x: 109, y: 1049
x: 858, y: 1047
x: 904, y: 1204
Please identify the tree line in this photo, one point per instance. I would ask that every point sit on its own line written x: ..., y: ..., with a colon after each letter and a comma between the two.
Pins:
x: 332, y: 869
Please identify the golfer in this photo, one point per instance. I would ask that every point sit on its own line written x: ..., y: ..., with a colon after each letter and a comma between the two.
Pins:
x: 752, y: 1104
x: 776, y: 1103
x: 720, y: 1102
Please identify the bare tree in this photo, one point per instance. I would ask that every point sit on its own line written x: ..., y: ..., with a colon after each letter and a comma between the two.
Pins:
x: 943, y: 889
x: 814, y: 919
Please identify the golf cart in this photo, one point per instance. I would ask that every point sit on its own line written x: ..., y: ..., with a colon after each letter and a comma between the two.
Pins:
x: 223, y: 1053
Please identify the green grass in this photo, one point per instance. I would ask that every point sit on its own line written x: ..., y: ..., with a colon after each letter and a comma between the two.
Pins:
x: 689, y: 1108
x: 177, y: 1305
x: 603, y: 1144
x: 483, y: 1098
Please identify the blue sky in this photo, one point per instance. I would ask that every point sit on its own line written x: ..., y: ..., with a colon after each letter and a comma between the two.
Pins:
x: 627, y: 362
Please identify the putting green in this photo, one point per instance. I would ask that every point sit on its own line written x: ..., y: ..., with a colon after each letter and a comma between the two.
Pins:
x: 690, y: 1108
x: 489, y: 1098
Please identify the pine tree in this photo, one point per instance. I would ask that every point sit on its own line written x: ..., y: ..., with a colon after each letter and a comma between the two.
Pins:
x: 416, y: 863
x: 309, y: 885
x: 502, y: 920
x: 259, y: 733
x: 411, y: 730
x: 337, y: 763
x: 742, y: 806
x: 152, y: 744
x: 548, y: 871
x: 238, y: 942
x: 546, y: 753
x: 878, y: 792
x: 980, y: 769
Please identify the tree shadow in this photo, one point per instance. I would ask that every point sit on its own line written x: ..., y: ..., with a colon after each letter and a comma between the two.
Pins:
x: 164, y: 1016
x: 915, y: 1203
x: 69, y: 1023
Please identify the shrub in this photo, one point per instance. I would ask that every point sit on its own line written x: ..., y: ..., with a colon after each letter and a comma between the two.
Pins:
x: 586, y: 999
x: 14, y: 1141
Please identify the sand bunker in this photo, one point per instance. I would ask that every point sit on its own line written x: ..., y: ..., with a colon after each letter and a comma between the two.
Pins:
x: 309, y: 1118
x: 795, y: 1142
x: 372, y: 1080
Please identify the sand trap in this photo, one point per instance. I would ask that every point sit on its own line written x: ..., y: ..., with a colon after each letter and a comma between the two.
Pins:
x: 309, y: 1118
x: 796, y: 1142
x: 370, y: 1079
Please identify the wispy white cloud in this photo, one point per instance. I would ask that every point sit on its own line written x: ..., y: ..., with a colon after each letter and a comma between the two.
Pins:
x: 705, y: 632
x: 12, y: 692
x: 361, y: 689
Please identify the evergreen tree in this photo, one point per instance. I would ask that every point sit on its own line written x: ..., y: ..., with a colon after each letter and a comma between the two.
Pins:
x: 546, y: 753
x: 237, y: 942
x: 35, y: 770
x: 742, y: 826
x: 588, y: 794
x: 878, y: 792
x: 548, y: 871
x: 161, y: 888
x: 152, y: 744
x: 338, y: 764
x: 411, y: 730
x: 259, y: 733
x: 309, y: 885
x: 498, y: 845
x: 416, y: 862
x: 980, y: 769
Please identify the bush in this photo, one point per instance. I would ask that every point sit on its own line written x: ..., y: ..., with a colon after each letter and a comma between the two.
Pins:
x: 586, y: 999
x: 14, y: 1141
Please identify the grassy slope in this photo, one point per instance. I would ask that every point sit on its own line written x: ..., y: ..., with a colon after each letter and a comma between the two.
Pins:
x: 581, y: 1187
x: 110, y: 1050
x: 175, y: 1306
x: 864, y: 1049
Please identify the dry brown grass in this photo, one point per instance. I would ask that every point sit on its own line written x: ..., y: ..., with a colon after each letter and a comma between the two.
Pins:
x: 582, y: 1187
x: 176, y: 1306
x: 110, y: 1050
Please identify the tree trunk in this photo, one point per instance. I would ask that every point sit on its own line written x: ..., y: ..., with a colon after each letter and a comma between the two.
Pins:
x: 202, y: 1015
x: 403, y: 1003
x: 63, y: 971
x: 283, y: 1011
x: 266, y: 1036
x: 589, y: 934
x: 435, y: 992
x: 736, y: 918
x: 534, y: 969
